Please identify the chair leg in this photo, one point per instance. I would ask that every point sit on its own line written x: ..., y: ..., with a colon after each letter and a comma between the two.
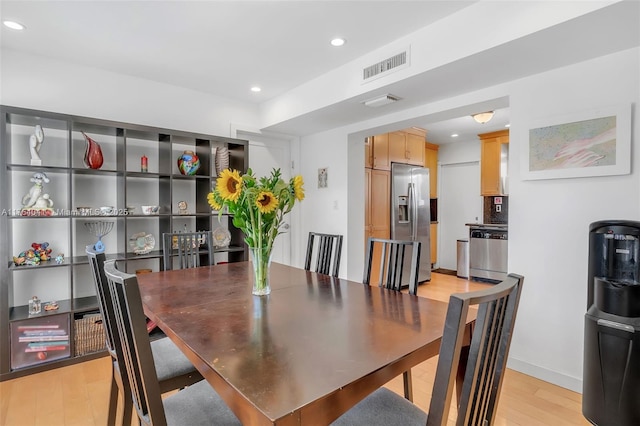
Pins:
x: 127, y: 405
x: 113, y: 399
x: 125, y: 392
x: 408, y: 385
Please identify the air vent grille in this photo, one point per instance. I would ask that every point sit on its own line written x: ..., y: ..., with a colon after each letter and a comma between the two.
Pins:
x: 384, y: 66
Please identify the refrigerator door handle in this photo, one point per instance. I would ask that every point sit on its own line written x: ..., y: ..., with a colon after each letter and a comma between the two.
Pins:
x: 413, y: 211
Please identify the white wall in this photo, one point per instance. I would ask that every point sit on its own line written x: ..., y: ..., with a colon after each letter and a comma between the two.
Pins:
x: 40, y: 83
x: 548, y: 220
x: 459, y: 152
x: 325, y: 209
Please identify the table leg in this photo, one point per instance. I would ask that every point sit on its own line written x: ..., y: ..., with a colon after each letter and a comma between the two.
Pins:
x: 464, y: 358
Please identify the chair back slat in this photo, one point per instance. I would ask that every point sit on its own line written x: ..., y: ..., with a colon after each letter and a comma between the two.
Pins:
x: 183, y: 250
x: 487, y: 357
x: 138, y: 358
x: 326, y: 249
x: 96, y: 263
x: 394, y: 261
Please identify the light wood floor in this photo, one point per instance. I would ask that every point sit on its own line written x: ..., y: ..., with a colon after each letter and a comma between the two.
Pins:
x: 79, y: 394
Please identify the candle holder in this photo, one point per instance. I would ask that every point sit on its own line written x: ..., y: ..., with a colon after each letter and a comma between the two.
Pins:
x: 99, y: 229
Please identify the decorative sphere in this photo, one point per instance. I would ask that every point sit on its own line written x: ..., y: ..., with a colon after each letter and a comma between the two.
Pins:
x: 188, y: 163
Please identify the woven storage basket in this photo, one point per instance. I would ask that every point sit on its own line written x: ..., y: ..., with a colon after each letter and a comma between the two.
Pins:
x: 89, y: 334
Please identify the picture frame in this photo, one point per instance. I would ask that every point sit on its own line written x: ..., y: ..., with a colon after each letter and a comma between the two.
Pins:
x: 323, y: 177
x: 583, y: 144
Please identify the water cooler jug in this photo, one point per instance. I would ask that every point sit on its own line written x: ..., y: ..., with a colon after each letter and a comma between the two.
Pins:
x: 611, y: 376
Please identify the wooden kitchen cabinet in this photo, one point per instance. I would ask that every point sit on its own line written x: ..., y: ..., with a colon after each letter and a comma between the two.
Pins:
x: 431, y: 162
x: 490, y: 151
x: 379, y: 194
x: 368, y: 152
x: 407, y: 147
x: 377, y: 211
x: 380, y: 149
x: 415, y: 148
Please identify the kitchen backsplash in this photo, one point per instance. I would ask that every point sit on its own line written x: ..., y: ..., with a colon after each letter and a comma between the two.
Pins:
x: 496, y: 209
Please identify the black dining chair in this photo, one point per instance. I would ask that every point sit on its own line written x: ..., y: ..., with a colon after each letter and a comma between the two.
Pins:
x: 486, y: 363
x: 174, y: 370
x: 186, y: 248
x: 323, y: 251
x: 197, y: 404
x: 394, y: 259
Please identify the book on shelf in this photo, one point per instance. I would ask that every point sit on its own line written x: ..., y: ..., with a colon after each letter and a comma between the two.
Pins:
x: 24, y: 339
x: 46, y: 348
x: 32, y: 327
x: 52, y: 343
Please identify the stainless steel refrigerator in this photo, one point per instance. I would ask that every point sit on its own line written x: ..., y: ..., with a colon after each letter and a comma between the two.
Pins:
x: 410, y: 212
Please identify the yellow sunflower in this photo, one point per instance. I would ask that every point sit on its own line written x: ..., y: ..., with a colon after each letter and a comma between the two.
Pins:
x: 266, y: 202
x: 298, y: 190
x: 229, y: 185
x: 211, y: 199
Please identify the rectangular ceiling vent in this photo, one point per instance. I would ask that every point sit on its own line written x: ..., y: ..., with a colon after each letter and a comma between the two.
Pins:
x: 385, y: 66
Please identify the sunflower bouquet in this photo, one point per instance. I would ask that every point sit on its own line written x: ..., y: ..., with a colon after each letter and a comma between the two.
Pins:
x: 258, y: 207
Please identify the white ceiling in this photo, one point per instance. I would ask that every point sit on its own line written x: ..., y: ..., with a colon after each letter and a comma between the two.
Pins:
x: 219, y: 47
x: 225, y: 47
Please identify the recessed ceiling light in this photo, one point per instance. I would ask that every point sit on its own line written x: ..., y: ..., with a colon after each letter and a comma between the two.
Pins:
x: 455, y: 135
x: 256, y: 89
x: 14, y: 25
x: 337, y: 42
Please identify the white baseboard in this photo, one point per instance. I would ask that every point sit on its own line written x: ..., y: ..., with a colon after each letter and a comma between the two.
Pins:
x: 558, y: 379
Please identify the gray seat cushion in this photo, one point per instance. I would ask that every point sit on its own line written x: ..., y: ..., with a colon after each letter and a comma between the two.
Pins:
x: 169, y: 360
x: 383, y: 407
x: 198, y: 404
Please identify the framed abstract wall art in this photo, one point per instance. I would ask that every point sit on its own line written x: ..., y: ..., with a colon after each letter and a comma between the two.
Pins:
x: 590, y: 143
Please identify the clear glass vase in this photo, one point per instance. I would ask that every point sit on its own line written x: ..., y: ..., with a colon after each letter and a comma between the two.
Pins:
x: 261, y: 259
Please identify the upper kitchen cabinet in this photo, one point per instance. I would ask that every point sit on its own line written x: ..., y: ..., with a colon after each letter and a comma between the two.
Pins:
x: 368, y: 152
x: 407, y: 146
x: 494, y: 148
x: 431, y: 162
x: 380, y: 147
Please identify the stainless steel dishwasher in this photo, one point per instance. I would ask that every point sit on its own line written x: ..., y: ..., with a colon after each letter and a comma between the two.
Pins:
x: 488, y: 253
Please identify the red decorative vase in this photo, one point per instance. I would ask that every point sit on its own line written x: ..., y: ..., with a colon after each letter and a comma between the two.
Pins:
x: 93, y: 153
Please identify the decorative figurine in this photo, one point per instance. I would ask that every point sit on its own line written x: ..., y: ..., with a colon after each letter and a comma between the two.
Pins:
x: 144, y: 164
x: 35, y: 306
x: 39, y: 252
x: 188, y: 163
x: 51, y: 306
x: 35, y: 143
x: 182, y: 207
x: 93, y: 153
x: 60, y: 259
x: 36, y: 202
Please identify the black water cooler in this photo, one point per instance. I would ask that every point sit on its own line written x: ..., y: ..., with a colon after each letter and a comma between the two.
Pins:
x: 611, y: 376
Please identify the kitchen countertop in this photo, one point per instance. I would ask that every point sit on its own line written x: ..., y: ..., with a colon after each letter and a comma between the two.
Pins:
x: 488, y: 225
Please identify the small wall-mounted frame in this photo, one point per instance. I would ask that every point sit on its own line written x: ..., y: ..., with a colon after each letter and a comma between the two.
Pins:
x: 590, y: 143
x: 323, y: 178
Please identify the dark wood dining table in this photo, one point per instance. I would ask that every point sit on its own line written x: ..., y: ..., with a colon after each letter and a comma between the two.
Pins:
x: 304, y: 354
